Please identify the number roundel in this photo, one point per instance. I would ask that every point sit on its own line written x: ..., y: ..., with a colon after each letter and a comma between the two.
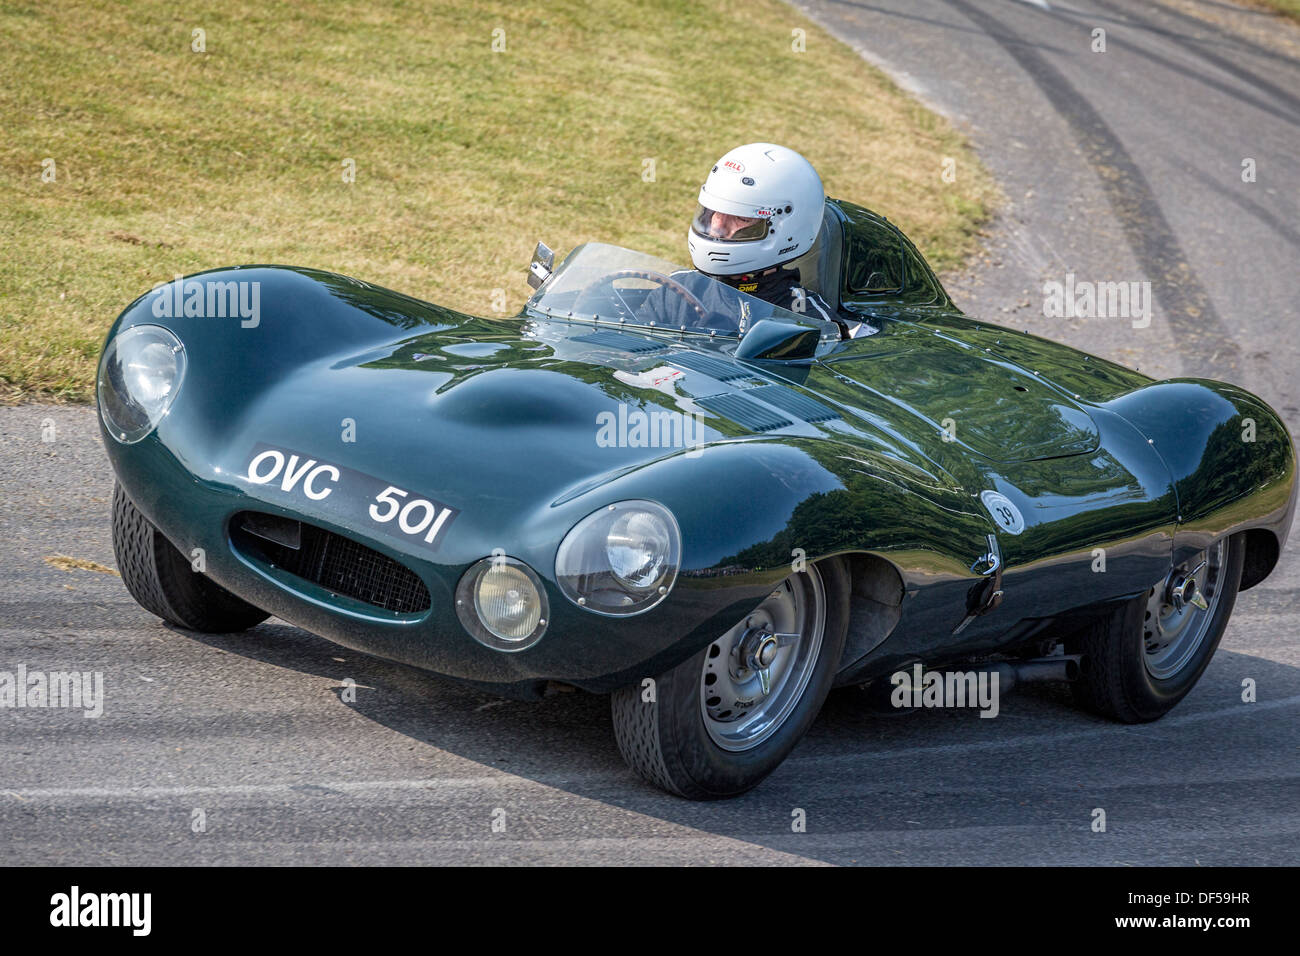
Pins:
x: 1005, y: 514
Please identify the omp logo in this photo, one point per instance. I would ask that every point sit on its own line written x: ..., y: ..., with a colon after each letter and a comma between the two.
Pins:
x: 210, y: 299
x: 1098, y: 300
x: 945, y: 689
x: 76, y: 690
x: 75, y: 908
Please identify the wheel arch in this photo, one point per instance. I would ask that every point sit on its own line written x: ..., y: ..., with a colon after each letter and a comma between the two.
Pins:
x: 1262, y: 552
x: 1231, y: 461
x: 875, y: 603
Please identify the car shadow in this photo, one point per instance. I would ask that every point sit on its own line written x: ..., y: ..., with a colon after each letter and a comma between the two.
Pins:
x: 863, y: 782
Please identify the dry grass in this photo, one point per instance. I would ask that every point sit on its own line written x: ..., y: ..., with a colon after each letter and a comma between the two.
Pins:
x: 170, y: 161
x: 65, y: 563
x: 1287, y: 8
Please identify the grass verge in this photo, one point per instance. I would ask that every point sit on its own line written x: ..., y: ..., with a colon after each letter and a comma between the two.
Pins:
x: 1288, y: 8
x: 166, y: 160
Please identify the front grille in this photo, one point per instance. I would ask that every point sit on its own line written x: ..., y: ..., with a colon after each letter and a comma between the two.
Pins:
x: 335, y: 563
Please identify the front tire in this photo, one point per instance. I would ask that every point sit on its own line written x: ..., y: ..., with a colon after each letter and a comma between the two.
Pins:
x: 719, y: 722
x: 1145, y: 656
x: 162, y: 581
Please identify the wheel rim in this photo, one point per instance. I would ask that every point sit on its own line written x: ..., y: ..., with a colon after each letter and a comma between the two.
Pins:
x: 1179, y: 611
x: 744, y: 703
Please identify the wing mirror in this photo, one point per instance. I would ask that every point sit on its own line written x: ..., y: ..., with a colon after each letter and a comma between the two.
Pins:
x: 770, y: 340
x: 543, y: 264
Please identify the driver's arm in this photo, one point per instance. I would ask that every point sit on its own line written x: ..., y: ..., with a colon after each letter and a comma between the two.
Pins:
x: 660, y: 307
x: 666, y: 308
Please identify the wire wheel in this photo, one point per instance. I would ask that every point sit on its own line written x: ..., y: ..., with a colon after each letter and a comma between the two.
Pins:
x: 755, y: 674
x: 1180, y: 609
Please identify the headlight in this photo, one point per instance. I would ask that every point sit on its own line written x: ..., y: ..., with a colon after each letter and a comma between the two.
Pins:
x: 138, y: 378
x: 620, y: 560
x: 502, y: 603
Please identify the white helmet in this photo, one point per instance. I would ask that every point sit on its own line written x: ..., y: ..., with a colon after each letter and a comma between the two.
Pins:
x: 760, y: 206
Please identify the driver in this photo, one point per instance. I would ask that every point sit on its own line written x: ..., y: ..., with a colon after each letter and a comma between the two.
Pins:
x: 760, y: 208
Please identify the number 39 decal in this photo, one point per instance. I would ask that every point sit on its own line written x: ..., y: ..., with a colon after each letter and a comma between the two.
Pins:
x: 1005, y: 514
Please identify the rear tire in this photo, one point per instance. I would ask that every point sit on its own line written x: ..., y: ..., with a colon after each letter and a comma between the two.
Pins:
x: 1135, y: 673
x: 162, y: 581
x: 694, y: 740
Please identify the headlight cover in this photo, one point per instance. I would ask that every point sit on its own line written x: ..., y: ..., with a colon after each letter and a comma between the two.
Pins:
x: 139, y: 376
x: 502, y: 603
x: 621, y: 560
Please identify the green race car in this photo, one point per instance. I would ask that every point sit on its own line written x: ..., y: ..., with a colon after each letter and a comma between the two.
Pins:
x: 652, y: 485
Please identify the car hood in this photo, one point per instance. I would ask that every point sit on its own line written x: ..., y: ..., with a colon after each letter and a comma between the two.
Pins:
x: 474, y: 404
x: 468, y: 408
x: 973, y: 396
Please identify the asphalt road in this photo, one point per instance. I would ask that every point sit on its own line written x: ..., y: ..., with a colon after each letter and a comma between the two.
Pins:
x: 1122, y: 166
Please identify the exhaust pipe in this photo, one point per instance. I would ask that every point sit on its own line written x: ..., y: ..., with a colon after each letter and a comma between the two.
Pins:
x: 1063, y: 667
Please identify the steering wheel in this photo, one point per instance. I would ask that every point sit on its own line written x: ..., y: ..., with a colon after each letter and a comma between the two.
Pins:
x: 657, y: 277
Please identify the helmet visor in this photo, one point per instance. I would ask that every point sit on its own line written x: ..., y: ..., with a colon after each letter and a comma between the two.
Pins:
x: 719, y: 225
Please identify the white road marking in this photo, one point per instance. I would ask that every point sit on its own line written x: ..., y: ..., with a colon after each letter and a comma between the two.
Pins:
x: 302, y: 786
x: 617, y: 777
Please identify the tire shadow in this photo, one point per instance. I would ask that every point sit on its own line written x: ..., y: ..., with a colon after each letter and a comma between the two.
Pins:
x: 872, y: 788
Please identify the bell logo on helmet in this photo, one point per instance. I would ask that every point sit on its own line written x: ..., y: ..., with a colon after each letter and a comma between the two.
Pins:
x: 736, y: 167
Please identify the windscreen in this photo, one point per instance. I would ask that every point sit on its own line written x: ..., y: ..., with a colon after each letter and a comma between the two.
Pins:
x: 600, y: 282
